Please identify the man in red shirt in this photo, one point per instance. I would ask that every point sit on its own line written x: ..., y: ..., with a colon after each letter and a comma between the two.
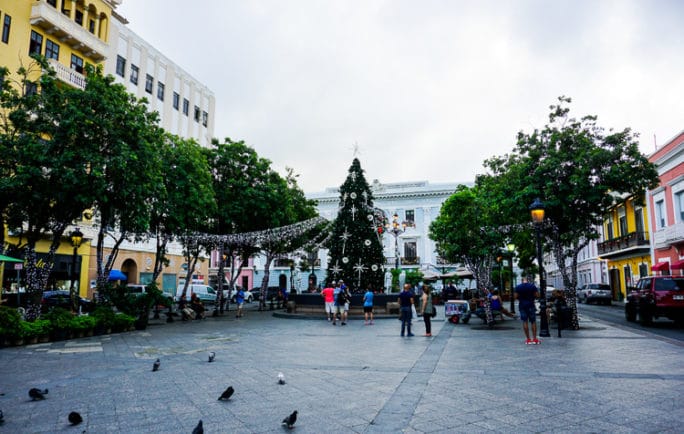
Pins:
x: 328, y: 294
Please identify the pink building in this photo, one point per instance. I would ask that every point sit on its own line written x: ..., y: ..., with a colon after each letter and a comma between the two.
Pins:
x: 666, y: 208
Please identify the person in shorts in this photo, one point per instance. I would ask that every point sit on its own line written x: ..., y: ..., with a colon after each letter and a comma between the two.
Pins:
x: 526, y: 293
x: 328, y: 294
x: 368, y: 306
x: 343, y: 299
x: 240, y: 301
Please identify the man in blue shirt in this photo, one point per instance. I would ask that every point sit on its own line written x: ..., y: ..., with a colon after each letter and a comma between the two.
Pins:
x: 526, y: 293
x: 405, y: 303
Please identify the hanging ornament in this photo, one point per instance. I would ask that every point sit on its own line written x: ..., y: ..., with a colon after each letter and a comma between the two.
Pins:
x: 336, y: 268
x: 353, y: 211
x: 345, y: 260
x: 353, y: 195
x: 370, y: 217
x: 353, y: 176
x: 374, y: 267
x: 380, y: 229
x: 367, y: 242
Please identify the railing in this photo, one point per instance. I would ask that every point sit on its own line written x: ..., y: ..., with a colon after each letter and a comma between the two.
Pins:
x: 68, y: 75
x: 632, y: 239
x: 669, y: 235
x: 392, y: 260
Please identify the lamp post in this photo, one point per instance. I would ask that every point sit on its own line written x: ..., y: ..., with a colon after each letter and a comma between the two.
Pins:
x: 395, y: 228
x: 511, y: 248
x: 537, y: 212
x: 76, y: 239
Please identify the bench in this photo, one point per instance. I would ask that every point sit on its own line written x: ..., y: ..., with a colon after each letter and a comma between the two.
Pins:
x: 314, y: 303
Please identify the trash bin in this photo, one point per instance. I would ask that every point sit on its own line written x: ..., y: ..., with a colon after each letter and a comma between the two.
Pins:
x: 565, y: 317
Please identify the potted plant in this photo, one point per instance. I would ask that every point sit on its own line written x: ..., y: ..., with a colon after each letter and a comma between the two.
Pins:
x: 9, y: 325
x: 122, y: 322
x: 60, y: 320
x: 32, y: 331
x: 81, y: 325
x: 104, y: 320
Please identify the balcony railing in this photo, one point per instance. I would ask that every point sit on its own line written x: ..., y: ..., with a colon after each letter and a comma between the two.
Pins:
x: 632, y: 239
x: 68, y: 75
x: 669, y: 235
x: 391, y: 260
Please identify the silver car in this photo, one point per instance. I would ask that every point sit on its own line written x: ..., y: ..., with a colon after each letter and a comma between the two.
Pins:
x: 595, y: 293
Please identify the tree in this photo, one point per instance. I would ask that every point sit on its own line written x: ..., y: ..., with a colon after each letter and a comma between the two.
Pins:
x: 464, y: 232
x: 186, y: 202
x: 577, y: 169
x: 356, y: 254
x: 45, y: 180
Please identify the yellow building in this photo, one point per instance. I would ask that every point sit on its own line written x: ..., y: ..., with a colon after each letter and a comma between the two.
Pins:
x: 625, y: 244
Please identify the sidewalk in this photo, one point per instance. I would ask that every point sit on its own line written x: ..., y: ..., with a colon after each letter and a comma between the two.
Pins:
x: 356, y: 379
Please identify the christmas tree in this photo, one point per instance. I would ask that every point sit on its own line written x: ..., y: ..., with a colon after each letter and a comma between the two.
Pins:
x: 355, y: 254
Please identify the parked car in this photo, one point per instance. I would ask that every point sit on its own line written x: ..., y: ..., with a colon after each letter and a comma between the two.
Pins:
x: 272, y: 293
x: 62, y: 298
x: 205, y: 293
x: 595, y: 293
x: 655, y: 297
x: 249, y: 296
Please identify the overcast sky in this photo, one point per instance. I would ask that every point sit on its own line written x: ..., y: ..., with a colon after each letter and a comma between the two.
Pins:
x: 427, y: 89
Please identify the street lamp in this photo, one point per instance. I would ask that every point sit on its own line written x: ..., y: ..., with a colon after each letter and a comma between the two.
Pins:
x: 537, y: 212
x: 76, y: 239
x: 395, y: 228
x: 511, y: 248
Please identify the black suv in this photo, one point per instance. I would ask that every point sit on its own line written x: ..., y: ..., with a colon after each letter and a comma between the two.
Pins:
x: 654, y: 297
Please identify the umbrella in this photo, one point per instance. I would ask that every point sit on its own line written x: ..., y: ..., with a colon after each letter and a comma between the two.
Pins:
x: 4, y: 258
x: 117, y: 275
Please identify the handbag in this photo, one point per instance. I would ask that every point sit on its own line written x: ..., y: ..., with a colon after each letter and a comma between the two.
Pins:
x: 434, y: 312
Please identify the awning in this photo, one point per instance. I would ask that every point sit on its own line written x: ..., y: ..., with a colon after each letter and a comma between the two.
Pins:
x: 661, y: 266
x: 679, y: 265
x: 4, y: 258
x: 117, y: 275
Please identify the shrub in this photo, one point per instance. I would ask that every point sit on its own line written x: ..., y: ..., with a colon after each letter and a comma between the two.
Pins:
x: 104, y: 316
x: 82, y: 323
x: 60, y: 318
x: 122, y: 322
x: 31, y: 329
x: 9, y: 322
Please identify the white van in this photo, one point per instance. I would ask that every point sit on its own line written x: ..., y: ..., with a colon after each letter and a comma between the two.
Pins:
x: 205, y: 293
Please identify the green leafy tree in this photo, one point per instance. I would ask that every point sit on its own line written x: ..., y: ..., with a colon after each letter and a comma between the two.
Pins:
x: 577, y: 169
x: 356, y: 254
x: 465, y: 232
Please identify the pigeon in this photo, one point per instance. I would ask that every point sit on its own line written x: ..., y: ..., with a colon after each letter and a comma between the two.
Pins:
x: 212, y: 355
x: 227, y: 393
x: 75, y: 418
x: 199, y: 429
x: 290, y: 420
x: 156, y: 365
x: 37, y: 394
x: 281, y: 378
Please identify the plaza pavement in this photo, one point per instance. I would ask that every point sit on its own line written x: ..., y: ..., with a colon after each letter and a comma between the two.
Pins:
x: 351, y: 379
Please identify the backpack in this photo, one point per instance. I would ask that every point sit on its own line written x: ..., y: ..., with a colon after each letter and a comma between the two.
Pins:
x: 341, y: 298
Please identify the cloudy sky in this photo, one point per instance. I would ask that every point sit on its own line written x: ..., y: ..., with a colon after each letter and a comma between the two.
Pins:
x: 426, y: 89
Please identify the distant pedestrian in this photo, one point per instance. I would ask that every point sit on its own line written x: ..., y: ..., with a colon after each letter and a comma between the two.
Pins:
x: 426, y: 309
x: 328, y: 294
x: 405, y: 301
x: 526, y: 293
x: 368, y: 306
x: 337, y: 311
x: 240, y: 301
x: 343, y: 300
x: 449, y: 292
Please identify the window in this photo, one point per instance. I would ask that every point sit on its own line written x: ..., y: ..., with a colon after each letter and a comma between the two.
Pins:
x: 51, y: 50
x: 7, y: 23
x: 205, y: 118
x: 186, y: 106
x: 160, y: 91
x: 660, y: 214
x: 149, y: 82
x: 134, y: 74
x: 79, y: 17
x: 176, y: 100
x: 609, y: 231
x: 52, y: 3
x: 623, y: 225
x: 120, y: 66
x: 410, y: 251
x: 31, y: 88
x: 639, y: 220
x: 197, y: 114
x: 91, y: 26
x: 36, y: 44
x: 76, y: 63
x: 410, y: 216
x: 679, y: 205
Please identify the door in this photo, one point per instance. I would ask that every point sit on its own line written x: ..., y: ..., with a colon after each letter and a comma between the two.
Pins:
x: 614, y: 281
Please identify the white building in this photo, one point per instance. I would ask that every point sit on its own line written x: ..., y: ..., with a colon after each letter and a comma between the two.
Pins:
x: 186, y: 107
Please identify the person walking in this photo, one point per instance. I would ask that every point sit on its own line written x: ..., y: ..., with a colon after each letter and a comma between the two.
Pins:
x: 426, y: 309
x: 368, y: 306
x: 328, y: 294
x: 526, y: 293
x: 240, y: 301
x: 405, y: 301
x: 343, y: 299
x: 337, y: 310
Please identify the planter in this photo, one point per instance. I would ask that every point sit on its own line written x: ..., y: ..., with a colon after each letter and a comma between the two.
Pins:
x: 139, y: 324
x: 60, y: 334
x: 32, y: 340
x: 18, y: 342
x: 89, y: 332
x: 43, y: 338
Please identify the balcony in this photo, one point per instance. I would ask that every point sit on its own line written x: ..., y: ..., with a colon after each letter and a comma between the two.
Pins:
x: 621, y: 244
x: 391, y: 260
x: 67, y: 31
x: 670, y: 235
x: 68, y: 75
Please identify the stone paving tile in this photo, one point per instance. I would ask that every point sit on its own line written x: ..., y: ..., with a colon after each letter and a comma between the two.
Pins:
x: 347, y: 379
